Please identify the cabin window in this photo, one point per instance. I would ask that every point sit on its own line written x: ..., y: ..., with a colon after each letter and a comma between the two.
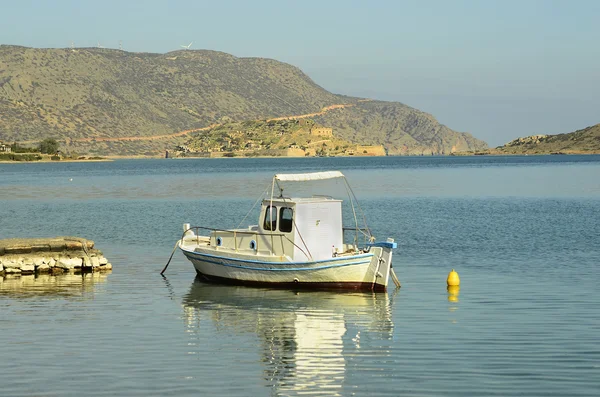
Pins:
x: 270, y: 218
x: 286, y: 219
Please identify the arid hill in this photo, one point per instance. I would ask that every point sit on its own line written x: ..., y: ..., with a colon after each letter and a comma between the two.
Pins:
x: 104, y: 101
x: 585, y: 141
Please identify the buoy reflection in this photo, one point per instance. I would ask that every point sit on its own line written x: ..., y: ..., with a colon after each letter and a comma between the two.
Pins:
x: 453, y: 292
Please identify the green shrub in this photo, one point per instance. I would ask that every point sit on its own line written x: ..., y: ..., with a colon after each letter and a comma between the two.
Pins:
x: 16, y: 148
x: 48, y: 146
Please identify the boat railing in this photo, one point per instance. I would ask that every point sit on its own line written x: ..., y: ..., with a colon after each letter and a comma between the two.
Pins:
x: 364, y: 232
x: 240, y: 233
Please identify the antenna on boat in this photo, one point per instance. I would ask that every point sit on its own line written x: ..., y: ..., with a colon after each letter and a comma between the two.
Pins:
x: 263, y: 194
x: 352, y: 198
x: 278, y: 186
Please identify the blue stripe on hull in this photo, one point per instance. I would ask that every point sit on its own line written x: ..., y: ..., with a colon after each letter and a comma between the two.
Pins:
x: 336, y: 259
x: 288, y: 266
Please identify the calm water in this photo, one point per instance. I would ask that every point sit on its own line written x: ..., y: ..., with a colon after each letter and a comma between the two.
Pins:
x: 523, y: 233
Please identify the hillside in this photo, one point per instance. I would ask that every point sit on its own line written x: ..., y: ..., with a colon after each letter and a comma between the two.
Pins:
x: 105, y: 101
x: 585, y: 141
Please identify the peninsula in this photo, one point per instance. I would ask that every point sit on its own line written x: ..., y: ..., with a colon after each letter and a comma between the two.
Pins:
x: 584, y: 141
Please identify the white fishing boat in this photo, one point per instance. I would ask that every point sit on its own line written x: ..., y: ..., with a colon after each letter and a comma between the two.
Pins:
x: 298, y: 242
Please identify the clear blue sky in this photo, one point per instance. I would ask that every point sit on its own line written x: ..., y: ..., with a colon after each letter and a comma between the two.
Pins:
x: 498, y: 69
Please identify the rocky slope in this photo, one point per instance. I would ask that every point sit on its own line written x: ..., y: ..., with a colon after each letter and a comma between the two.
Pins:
x: 82, y: 95
x: 399, y: 128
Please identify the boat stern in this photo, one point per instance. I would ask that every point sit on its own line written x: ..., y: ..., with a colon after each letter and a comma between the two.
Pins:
x: 383, y: 262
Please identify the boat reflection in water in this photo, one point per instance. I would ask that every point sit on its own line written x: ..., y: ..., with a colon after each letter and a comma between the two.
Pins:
x: 307, y: 337
x: 65, y: 285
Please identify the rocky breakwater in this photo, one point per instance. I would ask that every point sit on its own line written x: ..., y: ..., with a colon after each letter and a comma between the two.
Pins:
x: 21, y: 256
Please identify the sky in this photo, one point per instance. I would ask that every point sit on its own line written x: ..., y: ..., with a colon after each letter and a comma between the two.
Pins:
x: 496, y: 69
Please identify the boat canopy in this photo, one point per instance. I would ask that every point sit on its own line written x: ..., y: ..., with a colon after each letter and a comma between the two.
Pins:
x: 311, y: 176
x: 315, y: 176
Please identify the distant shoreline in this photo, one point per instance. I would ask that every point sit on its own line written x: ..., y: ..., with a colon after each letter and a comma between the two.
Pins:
x: 53, y: 161
x: 458, y: 154
x: 495, y: 152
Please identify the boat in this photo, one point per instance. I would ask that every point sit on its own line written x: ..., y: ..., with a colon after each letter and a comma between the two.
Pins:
x: 299, y: 242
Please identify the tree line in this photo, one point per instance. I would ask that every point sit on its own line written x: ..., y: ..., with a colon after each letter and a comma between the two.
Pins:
x: 47, y: 146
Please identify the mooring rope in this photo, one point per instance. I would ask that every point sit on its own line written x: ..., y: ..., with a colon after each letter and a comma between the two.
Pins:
x: 171, y: 257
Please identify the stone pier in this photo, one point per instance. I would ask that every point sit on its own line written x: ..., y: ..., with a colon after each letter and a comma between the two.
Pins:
x: 21, y: 256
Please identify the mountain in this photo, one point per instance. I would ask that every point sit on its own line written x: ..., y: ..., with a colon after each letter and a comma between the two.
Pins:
x: 106, y: 101
x: 585, y: 141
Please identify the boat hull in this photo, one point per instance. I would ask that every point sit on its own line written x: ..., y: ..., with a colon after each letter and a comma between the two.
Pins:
x: 366, y: 271
x: 347, y: 286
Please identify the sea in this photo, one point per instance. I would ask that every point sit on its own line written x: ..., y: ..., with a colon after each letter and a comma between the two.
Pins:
x: 523, y: 233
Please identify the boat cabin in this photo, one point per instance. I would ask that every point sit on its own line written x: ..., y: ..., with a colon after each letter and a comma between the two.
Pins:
x: 313, y: 226
x: 303, y: 229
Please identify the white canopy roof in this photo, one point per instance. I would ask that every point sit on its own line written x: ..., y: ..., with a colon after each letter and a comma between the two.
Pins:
x: 311, y: 176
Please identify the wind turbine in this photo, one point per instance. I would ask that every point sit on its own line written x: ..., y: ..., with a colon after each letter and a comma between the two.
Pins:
x: 187, y: 47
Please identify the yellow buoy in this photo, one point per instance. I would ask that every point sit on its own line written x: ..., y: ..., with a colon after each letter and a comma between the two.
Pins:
x: 453, y: 278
